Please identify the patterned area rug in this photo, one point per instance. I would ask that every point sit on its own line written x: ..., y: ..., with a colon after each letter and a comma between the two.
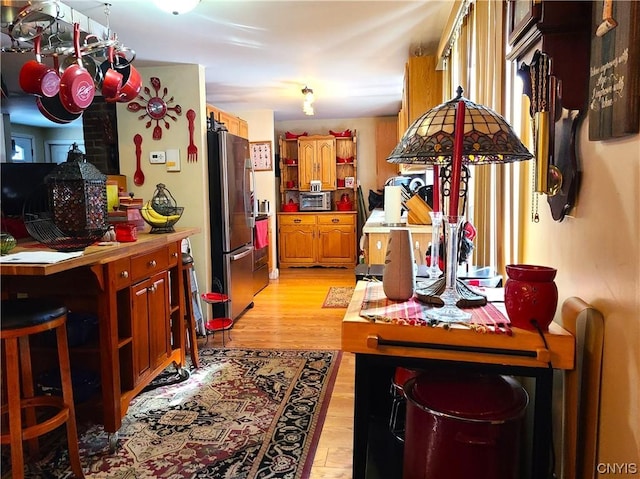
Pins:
x: 338, y: 297
x: 242, y: 414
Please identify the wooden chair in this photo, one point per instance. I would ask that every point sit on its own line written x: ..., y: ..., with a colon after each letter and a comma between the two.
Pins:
x: 22, y: 318
x: 581, y: 405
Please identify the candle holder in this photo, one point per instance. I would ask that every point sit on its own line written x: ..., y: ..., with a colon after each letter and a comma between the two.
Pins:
x: 450, y: 312
x: 436, y: 223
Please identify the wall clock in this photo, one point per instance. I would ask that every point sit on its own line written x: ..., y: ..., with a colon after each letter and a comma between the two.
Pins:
x: 156, y: 107
x: 261, y: 155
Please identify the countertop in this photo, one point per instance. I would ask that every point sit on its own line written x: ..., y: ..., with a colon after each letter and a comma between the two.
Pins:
x: 375, y: 224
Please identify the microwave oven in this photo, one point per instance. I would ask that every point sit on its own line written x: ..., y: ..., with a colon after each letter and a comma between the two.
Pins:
x: 315, y: 201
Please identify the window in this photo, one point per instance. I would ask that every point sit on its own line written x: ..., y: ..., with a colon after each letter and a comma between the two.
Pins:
x: 22, y: 149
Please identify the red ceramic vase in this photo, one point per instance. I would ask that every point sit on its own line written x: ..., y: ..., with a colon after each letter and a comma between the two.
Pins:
x: 530, y: 294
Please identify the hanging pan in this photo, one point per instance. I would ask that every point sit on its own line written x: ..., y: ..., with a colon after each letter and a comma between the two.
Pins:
x: 36, y: 77
x: 111, y: 78
x: 52, y: 107
x: 76, y: 85
x: 131, y: 79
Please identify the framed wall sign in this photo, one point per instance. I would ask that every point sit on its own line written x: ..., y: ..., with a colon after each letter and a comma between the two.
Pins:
x: 614, y: 86
x: 261, y: 155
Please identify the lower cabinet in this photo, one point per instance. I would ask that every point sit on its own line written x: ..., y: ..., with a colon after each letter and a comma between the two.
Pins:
x: 148, y: 313
x: 377, y: 246
x: 150, y: 324
x: 317, y: 239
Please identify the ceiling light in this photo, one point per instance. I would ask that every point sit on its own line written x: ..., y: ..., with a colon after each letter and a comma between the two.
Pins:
x: 176, y: 7
x: 307, y: 106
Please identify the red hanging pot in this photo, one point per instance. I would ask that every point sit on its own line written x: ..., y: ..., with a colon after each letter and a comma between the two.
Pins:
x: 76, y: 85
x: 37, y: 78
x: 530, y: 295
x: 112, y: 79
x: 131, y: 83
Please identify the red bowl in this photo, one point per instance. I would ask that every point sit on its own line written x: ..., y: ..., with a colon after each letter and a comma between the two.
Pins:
x: 292, y: 136
x: 341, y: 134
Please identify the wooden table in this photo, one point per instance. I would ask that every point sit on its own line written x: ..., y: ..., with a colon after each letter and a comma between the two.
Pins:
x: 137, y: 293
x: 379, y: 345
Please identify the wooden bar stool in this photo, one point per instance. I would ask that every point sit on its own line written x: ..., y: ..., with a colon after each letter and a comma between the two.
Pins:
x: 20, y: 319
x: 190, y: 320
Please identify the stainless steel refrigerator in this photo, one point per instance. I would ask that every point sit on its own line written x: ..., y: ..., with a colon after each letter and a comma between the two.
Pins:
x: 231, y: 219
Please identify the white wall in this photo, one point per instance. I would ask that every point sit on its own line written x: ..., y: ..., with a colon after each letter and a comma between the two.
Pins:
x: 597, y: 256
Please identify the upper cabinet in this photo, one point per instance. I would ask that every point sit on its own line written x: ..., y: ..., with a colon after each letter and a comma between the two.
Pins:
x: 422, y: 91
x: 317, y: 162
x: 235, y: 125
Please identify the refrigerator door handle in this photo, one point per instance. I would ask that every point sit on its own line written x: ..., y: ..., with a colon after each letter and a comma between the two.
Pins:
x: 248, y: 189
x: 235, y: 257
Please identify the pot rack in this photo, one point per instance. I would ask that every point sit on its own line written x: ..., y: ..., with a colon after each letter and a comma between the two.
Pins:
x: 20, y: 21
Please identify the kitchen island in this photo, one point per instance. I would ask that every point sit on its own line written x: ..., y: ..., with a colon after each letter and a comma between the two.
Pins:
x: 136, y: 292
x: 377, y: 236
x: 381, y: 346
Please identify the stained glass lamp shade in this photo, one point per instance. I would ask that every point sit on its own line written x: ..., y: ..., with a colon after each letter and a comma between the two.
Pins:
x: 487, y: 137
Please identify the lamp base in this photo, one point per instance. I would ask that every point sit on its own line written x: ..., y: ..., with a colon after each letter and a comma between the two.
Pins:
x: 430, y: 294
x: 449, y: 313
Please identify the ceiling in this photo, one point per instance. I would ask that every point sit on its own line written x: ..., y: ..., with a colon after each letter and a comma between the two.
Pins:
x: 260, y: 54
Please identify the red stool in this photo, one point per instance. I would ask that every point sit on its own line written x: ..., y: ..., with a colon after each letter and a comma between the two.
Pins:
x: 20, y: 319
x: 221, y: 324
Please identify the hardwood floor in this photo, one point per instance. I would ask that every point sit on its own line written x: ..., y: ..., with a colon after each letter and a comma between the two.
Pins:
x: 288, y: 314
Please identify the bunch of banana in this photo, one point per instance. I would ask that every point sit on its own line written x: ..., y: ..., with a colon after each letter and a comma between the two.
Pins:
x: 154, y: 218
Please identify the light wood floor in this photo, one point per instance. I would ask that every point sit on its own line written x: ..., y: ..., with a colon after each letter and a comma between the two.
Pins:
x: 288, y: 314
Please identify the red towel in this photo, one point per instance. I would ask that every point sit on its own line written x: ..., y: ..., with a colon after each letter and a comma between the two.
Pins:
x: 261, y: 234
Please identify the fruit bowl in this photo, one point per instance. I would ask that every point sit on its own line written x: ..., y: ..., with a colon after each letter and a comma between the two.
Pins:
x: 161, y: 223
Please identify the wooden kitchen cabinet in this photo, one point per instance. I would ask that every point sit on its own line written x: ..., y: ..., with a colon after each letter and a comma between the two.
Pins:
x: 150, y: 324
x: 329, y: 159
x: 317, y: 239
x: 377, y: 247
x: 422, y: 91
x: 147, y: 310
x: 317, y: 161
x: 336, y: 239
x: 136, y: 291
x: 377, y: 237
x: 386, y: 141
x: 235, y: 125
x: 296, y: 239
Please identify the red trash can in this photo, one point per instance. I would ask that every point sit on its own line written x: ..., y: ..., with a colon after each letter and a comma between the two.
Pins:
x: 462, y: 425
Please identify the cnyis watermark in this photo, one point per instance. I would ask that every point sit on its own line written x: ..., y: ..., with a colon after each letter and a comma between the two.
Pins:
x: 617, y: 468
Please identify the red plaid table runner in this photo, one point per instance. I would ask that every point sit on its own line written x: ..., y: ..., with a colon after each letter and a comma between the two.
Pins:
x: 377, y: 307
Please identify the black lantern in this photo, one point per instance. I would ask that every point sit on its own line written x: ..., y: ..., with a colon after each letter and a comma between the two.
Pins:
x: 74, y: 213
